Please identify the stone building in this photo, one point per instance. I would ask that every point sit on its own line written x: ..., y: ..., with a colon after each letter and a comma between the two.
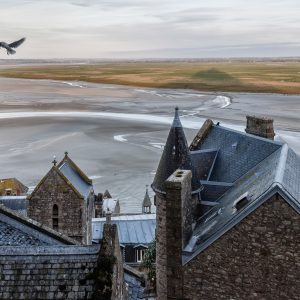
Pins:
x: 37, y: 262
x: 12, y: 187
x: 228, y: 223
x: 105, y: 203
x: 64, y: 201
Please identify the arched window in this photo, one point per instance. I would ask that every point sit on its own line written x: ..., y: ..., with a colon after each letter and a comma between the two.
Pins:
x: 55, y: 217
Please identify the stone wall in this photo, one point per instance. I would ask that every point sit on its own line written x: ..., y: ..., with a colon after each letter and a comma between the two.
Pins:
x: 72, y: 210
x: 60, y: 272
x: 170, y: 233
x: 257, y: 259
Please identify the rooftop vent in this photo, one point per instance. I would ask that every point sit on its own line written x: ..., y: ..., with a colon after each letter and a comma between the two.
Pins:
x: 259, y: 126
x: 241, y: 202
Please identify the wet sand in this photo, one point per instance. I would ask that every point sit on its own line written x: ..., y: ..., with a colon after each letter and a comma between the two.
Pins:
x: 116, y: 133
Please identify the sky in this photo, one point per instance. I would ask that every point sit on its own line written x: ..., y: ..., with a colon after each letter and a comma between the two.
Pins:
x: 151, y: 28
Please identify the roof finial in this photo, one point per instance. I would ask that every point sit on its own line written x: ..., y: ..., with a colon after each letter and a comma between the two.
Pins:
x: 66, y: 153
x: 54, y: 160
x: 176, y: 121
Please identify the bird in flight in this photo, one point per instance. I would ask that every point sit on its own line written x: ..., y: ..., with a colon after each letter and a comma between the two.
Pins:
x: 9, y: 47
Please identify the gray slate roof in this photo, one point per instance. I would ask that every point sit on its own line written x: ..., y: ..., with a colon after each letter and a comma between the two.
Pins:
x: 238, y: 152
x: 17, y: 230
x: 132, y: 229
x: 135, y: 288
x: 12, y: 236
x: 76, y: 179
x: 277, y: 173
x: 17, y: 203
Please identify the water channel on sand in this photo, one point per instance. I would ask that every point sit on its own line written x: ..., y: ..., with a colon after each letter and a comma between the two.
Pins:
x: 116, y: 133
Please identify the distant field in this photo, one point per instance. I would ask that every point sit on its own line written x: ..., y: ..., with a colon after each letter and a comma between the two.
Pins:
x: 267, y: 77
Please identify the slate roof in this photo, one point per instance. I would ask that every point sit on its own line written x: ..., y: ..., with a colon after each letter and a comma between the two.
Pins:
x: 16, y: 203
x: 76, y: 177
x: 132, y: 229
x: 176, y: 155
x: 17, y: 230
x: 134, y: 286
x: 257, y: 168
x: 237, y: 152
x: 11, y: 236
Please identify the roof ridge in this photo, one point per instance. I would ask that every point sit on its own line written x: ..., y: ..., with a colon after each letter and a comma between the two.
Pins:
x: 281, y: 165
x: 249, y: 134
x: 67, y: 159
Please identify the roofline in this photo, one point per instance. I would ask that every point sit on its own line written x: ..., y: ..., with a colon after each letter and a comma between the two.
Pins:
x: 38, y: 226
x: 62, y: 176
x: 250, y: 135
x: 81, y: 173
x: 270, y: 192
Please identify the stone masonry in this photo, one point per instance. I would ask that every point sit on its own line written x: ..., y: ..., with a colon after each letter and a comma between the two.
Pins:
x: 73, y: 214
x: 262, y: 127
x: 169, y: 233
x: 257, y: 259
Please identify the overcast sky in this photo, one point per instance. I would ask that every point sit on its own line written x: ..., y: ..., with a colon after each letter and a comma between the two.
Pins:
x: 151, y: 28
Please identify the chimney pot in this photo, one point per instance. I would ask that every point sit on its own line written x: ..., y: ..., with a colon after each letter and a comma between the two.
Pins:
x: 260, y: 126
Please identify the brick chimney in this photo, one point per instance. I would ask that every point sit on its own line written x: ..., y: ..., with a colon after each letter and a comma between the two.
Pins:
x: 260, y: 126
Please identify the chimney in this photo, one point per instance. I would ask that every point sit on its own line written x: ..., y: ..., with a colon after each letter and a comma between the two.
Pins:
x: 260, y: 126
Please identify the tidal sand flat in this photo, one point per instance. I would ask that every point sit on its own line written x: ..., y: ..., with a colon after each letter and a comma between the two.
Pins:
x: 115, y: 133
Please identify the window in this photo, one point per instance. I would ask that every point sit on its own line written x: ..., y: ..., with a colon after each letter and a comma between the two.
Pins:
x: 241, y: 203
x: 55, y: 217
x: 140, y: 255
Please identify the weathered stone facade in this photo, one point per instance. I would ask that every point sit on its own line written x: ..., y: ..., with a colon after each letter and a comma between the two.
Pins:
x: 257, y: 259
x: 56, y: 203
x: 170, y: 235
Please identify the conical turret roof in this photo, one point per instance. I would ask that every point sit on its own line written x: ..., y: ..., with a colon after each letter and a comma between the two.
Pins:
x: 176, y: 155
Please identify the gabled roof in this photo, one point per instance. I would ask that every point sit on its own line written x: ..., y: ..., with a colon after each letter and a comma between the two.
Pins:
x: 176, y: 155
x: 17, y: 230
x: 132, y: 229
x: 277, y: 173
x: 75, y: 175
x: 72, y: 175
x: 237, y: 152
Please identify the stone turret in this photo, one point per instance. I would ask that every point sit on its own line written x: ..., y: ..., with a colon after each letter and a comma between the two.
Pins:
x: 176, y: 155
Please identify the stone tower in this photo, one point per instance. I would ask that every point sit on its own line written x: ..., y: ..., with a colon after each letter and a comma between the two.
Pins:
x: 146, y: 209
x: 174, y: 216
x: 64, y: 201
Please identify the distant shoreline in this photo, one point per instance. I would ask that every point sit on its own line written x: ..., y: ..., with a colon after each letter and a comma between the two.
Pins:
x: 277, y: 76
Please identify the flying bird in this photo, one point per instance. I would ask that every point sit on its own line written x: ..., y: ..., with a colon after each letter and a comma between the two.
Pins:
x: 9, y: 47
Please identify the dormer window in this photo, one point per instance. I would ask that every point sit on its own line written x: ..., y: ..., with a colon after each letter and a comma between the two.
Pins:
x: 241, y: 202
